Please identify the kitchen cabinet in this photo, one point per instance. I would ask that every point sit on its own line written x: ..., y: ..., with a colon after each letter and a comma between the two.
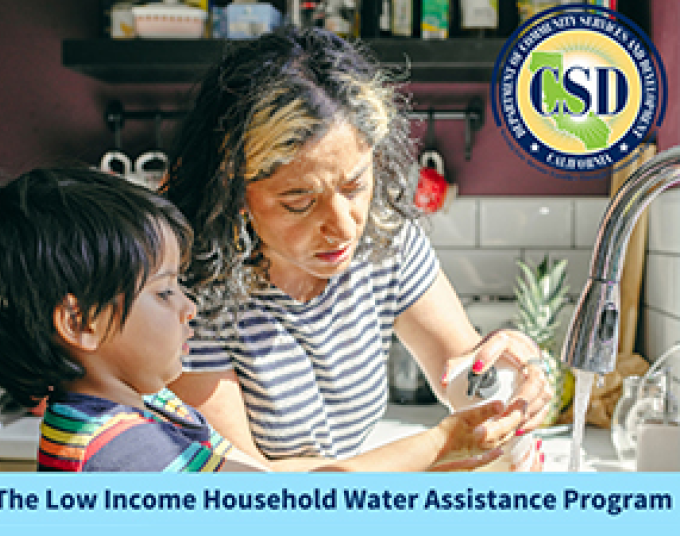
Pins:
x: 120, y: 61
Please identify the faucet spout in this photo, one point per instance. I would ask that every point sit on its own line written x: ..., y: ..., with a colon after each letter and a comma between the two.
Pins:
x: 591, y: 342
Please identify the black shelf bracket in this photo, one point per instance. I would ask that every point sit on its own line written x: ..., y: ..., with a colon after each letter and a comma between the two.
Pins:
x: 115, y: 116
x: 472, y: 114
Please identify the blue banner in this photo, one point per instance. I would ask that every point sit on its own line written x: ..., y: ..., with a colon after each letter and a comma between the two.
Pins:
x: 326, y: 504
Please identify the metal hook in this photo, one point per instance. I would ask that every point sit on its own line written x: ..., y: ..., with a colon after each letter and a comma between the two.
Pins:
x: 474, y: 119
x: 114, y: 119
x: 430, y: 136
x: 473, y: 115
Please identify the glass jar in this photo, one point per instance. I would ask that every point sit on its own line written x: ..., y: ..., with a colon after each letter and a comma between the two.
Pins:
x: 631, y: 411
x: 659, y: 435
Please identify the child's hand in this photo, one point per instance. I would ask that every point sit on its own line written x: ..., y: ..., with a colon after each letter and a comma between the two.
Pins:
x: 469, y: 438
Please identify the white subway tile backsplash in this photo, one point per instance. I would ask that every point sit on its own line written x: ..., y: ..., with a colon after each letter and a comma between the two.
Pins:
x: 453, y: 225
x: 480, y: 272
x: 587, y: 217
x: 479, y: 239
x: 578, y: 265
x: 661, y: 314
x: 526, y: 222
x: 664, y: 222
x: 662, y: 283
x: 660, y: 333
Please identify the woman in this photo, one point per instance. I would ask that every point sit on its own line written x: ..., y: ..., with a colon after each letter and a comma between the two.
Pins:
x: 293, y: 167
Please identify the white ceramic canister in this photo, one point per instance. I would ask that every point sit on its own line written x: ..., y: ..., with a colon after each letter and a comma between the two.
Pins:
x: 467, y: 389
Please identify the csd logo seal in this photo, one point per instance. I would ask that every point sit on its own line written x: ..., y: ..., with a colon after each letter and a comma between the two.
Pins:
x: 576, y: 89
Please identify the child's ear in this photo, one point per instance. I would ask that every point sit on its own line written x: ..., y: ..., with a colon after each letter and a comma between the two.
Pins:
x: 73, y: 330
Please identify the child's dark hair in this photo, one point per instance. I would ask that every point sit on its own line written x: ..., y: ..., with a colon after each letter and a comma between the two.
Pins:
x: 71, y: 231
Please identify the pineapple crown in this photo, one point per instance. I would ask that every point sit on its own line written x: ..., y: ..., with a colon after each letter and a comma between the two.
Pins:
x: 541, y: 293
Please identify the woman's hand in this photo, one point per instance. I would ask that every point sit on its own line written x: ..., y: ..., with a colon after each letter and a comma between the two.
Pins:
x: 531, y: 399
x: 467, y: 439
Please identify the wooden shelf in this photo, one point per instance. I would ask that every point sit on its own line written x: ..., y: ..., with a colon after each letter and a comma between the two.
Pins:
x: 186, y: 60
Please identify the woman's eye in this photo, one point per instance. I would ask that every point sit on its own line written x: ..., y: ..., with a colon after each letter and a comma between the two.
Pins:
x: 299, y: 206
x: 166, y: 294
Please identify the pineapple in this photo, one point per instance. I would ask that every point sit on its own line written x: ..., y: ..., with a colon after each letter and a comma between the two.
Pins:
x: 541, y: 293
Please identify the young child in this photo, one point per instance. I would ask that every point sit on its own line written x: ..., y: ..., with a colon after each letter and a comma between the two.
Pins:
x: 93, y: 316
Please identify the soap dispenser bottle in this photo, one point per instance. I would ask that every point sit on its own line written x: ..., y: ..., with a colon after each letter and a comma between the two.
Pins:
x: 499, y: 382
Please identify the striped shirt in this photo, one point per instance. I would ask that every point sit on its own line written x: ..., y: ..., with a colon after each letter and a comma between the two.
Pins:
x: 87, y: 433
x: 313, y: 375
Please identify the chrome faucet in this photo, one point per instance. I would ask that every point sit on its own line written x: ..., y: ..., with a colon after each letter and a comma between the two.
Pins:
x: 591, y: 342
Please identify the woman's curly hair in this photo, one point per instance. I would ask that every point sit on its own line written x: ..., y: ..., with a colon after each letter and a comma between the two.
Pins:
x: 255, y: 109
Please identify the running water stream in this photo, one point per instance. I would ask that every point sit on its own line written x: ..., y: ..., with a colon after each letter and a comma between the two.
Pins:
x: 584, y: 385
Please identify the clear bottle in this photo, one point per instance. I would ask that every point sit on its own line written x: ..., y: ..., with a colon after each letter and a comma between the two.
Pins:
x: 402, y: 18
x: 631, y: 410
x: 385, y: 20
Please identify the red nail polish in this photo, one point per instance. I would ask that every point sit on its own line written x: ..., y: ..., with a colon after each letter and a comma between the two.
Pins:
x: 542, y: 457
x: 520, y: 432
x: 478, y: 366
x: 538, y: 444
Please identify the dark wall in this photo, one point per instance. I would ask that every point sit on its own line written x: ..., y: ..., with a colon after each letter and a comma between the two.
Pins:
x: 665, y: 20
x: 50, y: 114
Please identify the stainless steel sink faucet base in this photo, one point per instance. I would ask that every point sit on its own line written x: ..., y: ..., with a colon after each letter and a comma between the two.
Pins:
x: 591, y: 341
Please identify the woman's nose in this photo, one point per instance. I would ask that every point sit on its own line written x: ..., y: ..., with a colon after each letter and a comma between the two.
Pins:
x: 339, y: 221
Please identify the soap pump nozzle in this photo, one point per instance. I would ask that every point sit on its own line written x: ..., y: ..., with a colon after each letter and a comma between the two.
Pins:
x: 484, y: 385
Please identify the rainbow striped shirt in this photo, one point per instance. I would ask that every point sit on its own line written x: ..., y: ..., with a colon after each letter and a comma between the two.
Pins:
x: 86, y: 433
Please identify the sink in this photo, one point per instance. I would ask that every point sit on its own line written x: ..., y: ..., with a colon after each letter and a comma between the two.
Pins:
x: 597, y: 455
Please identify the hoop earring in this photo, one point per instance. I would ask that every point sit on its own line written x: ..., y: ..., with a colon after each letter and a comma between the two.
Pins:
x: 239, y: 229
x: 243, y: 243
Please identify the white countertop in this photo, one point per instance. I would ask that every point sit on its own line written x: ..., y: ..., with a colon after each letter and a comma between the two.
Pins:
x: 19, y: 439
